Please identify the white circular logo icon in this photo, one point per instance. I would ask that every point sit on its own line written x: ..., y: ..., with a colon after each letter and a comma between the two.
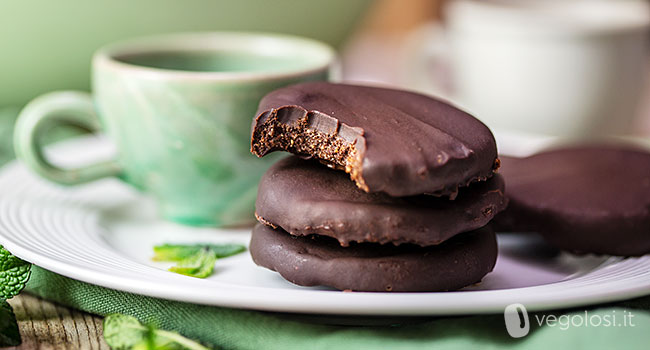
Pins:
x: 517, y: 323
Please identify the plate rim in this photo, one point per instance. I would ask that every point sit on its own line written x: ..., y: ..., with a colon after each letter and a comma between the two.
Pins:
x: 245, y: 300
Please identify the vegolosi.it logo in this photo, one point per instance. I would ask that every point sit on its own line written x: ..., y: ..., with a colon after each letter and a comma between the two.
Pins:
x: 518, y: 322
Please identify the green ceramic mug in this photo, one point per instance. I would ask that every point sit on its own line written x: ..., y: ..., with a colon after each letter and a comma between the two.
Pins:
x: 179, y: 108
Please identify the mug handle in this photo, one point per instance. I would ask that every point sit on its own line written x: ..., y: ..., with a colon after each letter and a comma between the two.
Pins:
x: 72, y: 108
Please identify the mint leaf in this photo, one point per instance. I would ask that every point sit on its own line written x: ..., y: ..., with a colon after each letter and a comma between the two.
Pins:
x: 174, y: 252
x: 199, y: 265
x: 226, y: 250
x: 166, y: 340
x: 14, y: 273
x: 178, y: 252
x: 9, y: 334
x: 196, y: 260
x: 123, y: 332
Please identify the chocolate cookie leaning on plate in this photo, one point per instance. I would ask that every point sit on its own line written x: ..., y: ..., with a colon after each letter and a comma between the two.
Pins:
x: 585, y: 199
x: 371, y: 267
x: 392, y: 141
x: 303, y: 197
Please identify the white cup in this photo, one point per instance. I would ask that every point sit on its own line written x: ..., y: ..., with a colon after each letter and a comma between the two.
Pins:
x: 544, y: 67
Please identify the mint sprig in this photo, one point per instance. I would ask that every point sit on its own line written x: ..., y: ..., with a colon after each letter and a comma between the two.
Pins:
x: 178, y: 252
x: 196, y: 260
x: 123, y: 332
x: 14, y: 274
x: 9, y: 334
x: 200, y: 265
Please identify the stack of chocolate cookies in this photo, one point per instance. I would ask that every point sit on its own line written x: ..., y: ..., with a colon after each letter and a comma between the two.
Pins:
x: 388, y: 191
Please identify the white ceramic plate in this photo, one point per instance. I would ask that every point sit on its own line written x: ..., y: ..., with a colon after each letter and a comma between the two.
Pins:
x: 102, y: 233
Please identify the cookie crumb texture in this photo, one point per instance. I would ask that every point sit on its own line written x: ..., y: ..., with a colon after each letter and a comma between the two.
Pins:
x: 311, y: 134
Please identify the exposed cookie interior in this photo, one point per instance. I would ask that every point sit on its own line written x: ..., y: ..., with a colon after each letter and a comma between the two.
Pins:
x: 311, y: 134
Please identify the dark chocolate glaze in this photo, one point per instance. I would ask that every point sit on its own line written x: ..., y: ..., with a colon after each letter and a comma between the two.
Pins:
x: 320, y: 261
x: 305, y: 197
x: 409, y: 143
x: 585, y: 199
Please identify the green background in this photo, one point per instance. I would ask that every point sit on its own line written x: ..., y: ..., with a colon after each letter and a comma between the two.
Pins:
x: 46, y: 45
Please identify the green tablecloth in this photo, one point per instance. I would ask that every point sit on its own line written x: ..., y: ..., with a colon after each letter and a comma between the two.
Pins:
x: 241, y: 329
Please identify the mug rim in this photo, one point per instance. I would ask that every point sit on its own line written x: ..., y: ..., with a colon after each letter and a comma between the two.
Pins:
x: 105, y: 57
x: 546, y: 17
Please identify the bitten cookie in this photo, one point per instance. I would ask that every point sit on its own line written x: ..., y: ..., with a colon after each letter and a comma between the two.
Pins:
x: 392, y: 141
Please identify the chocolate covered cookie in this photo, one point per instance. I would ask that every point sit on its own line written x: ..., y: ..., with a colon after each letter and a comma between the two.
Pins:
x: 391, y: 141
x: 304, y: 197
x: 321, y: 261
x: 587, y: 199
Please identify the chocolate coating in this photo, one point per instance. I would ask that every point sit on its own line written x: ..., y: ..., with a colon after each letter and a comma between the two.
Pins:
x: 391, y: 141
x: 318, y: 260
x: 585, y: 199
x: 305, y: 197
